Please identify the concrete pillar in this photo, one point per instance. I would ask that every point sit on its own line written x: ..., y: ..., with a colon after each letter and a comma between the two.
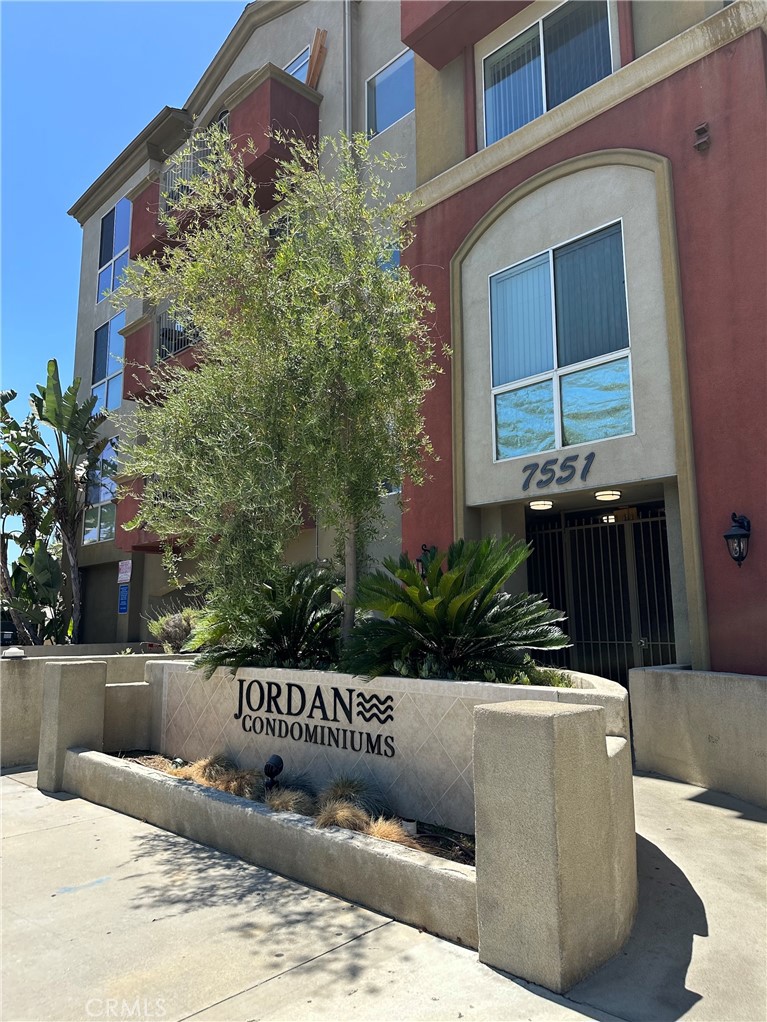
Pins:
x: 72, y: 715
x: 547, y: 902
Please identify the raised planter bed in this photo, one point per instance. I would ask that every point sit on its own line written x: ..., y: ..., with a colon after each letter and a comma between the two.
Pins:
x: 411, y: 886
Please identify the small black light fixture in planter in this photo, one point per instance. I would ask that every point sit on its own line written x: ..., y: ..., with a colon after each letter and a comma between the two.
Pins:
x: 737, y: 537
x: 272, y: 770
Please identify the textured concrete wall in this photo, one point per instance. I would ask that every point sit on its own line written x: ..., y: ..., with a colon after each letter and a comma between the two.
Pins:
x: 702, y: 727
x: 556, y: 854
x: 411, y: 737
x: 127, y: 717
x: 430, y: 893
x: 21, y: 696
x: 72, y: 715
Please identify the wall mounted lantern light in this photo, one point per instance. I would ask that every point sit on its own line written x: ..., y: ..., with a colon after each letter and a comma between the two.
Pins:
x: 737, y: 537
x: 427, y: 556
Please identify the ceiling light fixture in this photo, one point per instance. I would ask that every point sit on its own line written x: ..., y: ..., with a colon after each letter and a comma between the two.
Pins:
x: 541, y: 505
x: 608, y: 495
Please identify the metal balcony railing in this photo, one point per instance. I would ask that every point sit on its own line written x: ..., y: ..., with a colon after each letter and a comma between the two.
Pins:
x: 172, y: 336
x: 176, y: 175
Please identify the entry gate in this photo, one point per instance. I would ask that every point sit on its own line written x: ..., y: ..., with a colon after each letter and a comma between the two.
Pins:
x: 608, y: 570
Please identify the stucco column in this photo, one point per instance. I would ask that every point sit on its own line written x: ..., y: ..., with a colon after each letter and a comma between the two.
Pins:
x: 546, y: 880
x: 72, y: 715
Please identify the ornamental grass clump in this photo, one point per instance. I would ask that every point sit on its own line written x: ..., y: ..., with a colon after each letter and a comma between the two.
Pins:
x: 456, y: 621
x: 360, y: 793
x: 339, y: 813
x: 392, y: 830
x: 290, y: 800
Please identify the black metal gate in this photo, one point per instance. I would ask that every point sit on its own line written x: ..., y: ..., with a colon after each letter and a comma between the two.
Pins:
x: 608, y: 570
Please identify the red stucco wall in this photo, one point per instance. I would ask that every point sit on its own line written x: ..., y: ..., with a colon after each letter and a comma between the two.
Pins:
x: 721, y: 222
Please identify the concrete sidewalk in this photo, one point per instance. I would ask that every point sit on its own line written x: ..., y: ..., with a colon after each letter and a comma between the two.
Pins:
x: 107, y: 917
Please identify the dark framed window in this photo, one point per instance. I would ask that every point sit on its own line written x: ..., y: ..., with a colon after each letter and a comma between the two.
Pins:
x: 113, y: 248
x: 554, y: 59
x: 561, y: 370
x: 107, y: 374
x: 391, y: 93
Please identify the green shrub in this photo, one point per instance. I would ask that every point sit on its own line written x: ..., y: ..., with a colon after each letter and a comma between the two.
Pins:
x: 454, y: 623
x: 299, y: 626
x: 173, y: 630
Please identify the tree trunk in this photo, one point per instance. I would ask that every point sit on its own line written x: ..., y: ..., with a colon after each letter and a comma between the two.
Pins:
x: 70, y: 549
x: 350, y: 591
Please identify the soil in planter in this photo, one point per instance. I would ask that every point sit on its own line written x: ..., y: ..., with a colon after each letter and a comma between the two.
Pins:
x: 439, y: 841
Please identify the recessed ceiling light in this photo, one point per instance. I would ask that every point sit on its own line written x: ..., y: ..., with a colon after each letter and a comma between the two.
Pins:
x: 608, y: 495
x: 541, y: 505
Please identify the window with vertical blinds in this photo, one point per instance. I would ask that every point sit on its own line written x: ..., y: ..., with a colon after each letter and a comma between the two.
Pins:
x: 560, y: 347
x: 553, y: 60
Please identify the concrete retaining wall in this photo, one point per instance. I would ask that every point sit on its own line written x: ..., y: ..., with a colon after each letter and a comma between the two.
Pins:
x: 430, y: 893
x: 556, y: 845
x: 21, y: 698
x: 702, y: 727
x: 411, y: 737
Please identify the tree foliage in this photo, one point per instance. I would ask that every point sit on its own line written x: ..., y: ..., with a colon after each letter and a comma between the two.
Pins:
x: 455, y: 622
x: 45, y: 486
x: 314, y: 361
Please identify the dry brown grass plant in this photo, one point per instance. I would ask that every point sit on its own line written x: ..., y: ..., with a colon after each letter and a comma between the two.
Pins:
x: 290, y: 800
x: 392, y: 830
x: 339, y: 813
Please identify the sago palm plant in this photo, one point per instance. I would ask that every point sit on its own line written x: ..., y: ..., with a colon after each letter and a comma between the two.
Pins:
x: 455, y: 622
x: 298, y: 627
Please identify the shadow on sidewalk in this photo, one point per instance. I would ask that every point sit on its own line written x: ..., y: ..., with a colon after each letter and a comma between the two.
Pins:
x: 646, y: 981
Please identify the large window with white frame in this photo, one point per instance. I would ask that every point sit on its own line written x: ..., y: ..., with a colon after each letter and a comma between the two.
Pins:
x: 113, y: 248
x: 107, y: 373
x: 99, y: 521
x: 551, y: 61
x: 391, y: 93
x: 561, y: 370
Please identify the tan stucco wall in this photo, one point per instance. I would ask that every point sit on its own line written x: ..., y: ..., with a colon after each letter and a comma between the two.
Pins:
x: 21, y: 697
x: 439, y: 103
x: 549, y: 216
x: 702, y: 727
x: 429, y: 777
x: 654, y: 23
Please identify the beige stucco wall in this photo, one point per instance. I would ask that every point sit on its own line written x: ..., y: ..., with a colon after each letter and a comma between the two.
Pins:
x: 654, y: 23
x: 702, y: 727
x: 21, y: 697
x: 426, y: 723
x: 439, y: 102
x: 549, y: 216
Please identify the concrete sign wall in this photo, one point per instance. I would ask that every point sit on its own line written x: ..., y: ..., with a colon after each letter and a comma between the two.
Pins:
x: 411, y: 738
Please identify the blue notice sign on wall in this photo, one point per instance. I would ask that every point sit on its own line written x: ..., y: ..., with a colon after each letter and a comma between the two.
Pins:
x: 122, y: 599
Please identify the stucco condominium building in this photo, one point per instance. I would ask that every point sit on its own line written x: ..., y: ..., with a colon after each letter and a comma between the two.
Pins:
x: 589, y: 181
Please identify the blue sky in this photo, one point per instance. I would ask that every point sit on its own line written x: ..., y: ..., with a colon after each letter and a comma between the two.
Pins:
x: 79, y: 81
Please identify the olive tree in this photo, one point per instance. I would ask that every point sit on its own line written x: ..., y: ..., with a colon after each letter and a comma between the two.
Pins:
x: 314, y: 359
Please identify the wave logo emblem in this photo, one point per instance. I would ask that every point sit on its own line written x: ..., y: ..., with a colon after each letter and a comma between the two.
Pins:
x: 375, y: 707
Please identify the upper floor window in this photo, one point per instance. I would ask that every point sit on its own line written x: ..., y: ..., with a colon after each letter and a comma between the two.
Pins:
x: 99, y: 522
x: 108, y: 351
x: 560, y: 347
x: 391, y: 93
x: 113, y: 248
x: 299, y: 66
x: 551, y: 61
